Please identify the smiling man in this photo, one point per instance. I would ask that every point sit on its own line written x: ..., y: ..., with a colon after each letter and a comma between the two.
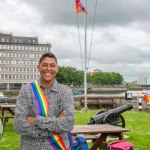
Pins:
x: 44, y: 112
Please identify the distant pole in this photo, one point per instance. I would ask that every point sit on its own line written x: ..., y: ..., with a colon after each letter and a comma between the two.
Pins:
x: 140, y: 101
x: 85, y: 109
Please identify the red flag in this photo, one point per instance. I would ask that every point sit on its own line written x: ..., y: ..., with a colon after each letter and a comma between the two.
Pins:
x: 91, y: 74
x: 80, y: 7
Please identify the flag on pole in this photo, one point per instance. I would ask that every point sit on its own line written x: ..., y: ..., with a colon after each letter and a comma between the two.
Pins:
x: 80, y: 7
x: 147, y: 99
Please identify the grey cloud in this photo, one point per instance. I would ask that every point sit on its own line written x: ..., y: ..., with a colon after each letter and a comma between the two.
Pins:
x: 109, y: 12
x: 121, y: 35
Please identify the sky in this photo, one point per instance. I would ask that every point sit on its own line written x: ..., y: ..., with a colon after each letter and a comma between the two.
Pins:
x: 118, y: 32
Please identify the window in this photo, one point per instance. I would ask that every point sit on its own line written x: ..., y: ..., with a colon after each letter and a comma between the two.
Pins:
x: 3, y: 39
x: 6, y: 46
x: 6, y: 76
x: 20, y: 40
x: 31, y: 55
x: 21, y: 62
x: 15, y: 40
x: 7, y: 39
x: 13, y: 62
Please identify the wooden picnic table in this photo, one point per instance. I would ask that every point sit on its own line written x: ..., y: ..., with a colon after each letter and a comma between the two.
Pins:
x: 5, y: 108
x: 101, y: 131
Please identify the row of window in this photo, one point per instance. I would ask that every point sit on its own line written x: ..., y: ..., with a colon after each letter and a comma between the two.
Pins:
x: 28, y: 47
x: 24, y: 55
x: 16, y: 40
x: 8, y: 69
x: 19, y: 77
x: 11, y: 86
x: 18, y: 62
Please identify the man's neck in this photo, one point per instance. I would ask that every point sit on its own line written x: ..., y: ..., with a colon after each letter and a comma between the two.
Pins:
x: 47, y: 85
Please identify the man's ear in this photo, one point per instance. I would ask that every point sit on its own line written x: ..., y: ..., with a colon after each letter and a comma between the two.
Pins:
x: 38, y: 67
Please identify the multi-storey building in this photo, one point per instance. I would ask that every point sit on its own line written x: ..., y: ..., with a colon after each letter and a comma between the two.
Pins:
x: 142, y: 80
x: 18, y: 60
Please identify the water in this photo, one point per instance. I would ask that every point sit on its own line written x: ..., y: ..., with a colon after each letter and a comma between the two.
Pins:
x: 134, y: 93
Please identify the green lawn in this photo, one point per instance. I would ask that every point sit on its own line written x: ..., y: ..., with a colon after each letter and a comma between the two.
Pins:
x: 137, y: 122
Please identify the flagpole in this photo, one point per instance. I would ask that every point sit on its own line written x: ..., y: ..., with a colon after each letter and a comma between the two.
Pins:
x: 85, y: 109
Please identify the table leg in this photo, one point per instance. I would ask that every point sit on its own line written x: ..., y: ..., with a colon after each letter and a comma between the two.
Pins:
x: 11, y: 111
x: 4, y: 122
x: 3, y: 113
x: 97, y: 143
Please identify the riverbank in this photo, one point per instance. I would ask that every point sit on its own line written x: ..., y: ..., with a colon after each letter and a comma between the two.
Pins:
x: 106, y: 90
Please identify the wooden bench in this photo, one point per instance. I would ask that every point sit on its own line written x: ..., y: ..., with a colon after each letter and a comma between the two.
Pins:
x: 100, y: 103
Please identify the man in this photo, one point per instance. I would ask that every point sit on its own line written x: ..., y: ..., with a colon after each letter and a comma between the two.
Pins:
x: 35, y: 127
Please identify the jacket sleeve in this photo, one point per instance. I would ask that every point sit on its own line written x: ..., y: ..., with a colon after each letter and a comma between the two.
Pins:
x: 56, y: 124
x: 21, y: 125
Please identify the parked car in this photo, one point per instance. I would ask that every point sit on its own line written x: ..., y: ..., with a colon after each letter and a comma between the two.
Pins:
x: 3, y: 99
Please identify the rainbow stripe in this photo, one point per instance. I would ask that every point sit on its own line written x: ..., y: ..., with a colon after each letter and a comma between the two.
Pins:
x: 55, y: 140
x: 147, y: 99
x: 40, y: 98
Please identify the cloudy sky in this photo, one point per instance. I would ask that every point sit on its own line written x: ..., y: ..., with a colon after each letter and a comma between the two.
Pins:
x: 120, y: 41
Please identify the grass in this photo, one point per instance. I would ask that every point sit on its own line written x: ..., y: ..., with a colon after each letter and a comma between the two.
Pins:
x: 137, y: 122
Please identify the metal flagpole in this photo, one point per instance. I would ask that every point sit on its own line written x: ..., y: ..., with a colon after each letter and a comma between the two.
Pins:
x: 85, y: 109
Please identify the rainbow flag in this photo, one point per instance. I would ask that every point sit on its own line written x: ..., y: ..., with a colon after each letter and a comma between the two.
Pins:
x: 147, y: 99
x: 80, y: 7
x: 41, y: 100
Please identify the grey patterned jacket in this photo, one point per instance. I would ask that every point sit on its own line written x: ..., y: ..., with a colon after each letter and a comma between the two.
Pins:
x: 34, y: 137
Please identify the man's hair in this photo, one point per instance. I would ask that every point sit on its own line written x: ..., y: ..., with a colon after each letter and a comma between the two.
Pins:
x: 48, y: 54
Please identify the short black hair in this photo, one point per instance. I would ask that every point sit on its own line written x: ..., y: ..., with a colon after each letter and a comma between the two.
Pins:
x: 47, y: 54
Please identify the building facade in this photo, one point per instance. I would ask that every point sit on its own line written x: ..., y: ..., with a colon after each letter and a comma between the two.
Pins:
x: 142, y: 80
x: 18, y: 60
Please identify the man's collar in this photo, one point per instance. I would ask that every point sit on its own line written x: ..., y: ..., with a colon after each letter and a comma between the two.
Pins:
x: 53, y: 88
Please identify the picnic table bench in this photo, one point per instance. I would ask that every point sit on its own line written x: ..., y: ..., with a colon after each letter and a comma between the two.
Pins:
x: 5, y: 108
x: 98, y: 133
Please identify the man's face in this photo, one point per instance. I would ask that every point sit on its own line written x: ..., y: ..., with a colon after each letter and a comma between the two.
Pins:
x: 48, y: 69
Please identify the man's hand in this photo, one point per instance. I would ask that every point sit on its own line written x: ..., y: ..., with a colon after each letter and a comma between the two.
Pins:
x: 31, y: 119
x: 62, y: 114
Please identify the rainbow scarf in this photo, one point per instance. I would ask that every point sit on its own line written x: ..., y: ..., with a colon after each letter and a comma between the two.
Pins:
x: 41, y: 100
